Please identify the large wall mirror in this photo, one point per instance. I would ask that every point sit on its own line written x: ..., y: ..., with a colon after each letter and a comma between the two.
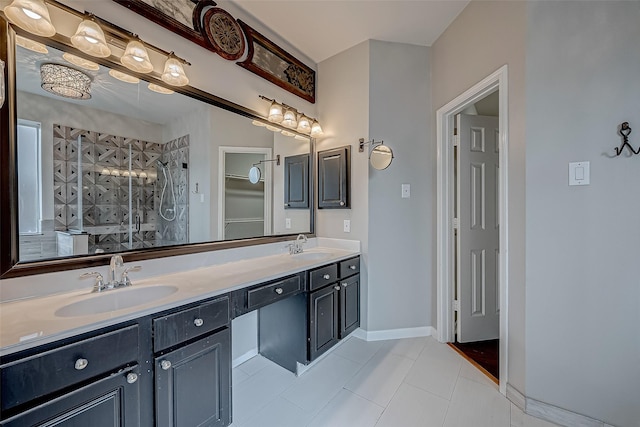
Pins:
x: 132, y: 170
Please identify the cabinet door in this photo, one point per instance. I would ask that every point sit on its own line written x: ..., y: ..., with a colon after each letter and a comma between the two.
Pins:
x: 296, y: 182
x: 323, y: 320
x: 349, y: 305
x: 333, y: 178
x: 193, y: 385
x: 109, y: 402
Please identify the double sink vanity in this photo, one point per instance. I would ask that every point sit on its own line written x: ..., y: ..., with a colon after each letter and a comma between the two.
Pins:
x: 158, y: 352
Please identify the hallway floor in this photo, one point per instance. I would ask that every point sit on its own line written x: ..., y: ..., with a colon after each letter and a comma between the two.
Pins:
x: 396, y: 383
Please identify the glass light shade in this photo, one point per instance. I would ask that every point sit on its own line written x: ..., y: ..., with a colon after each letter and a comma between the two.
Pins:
x: 32, y: 16
x: 160, y: 89
x: 316, y: 130
x: 123, y: 77
x: 89, y: 38
x: 80, y: 62
x: 287, y: 133
x: 273, y: 128
x: 275, y: 113
x: 304, y: 124
x: 258, y: 123
x: 136, y: 58
x: 174, y: 73
x: 31, y: 45
x: 290, y: 119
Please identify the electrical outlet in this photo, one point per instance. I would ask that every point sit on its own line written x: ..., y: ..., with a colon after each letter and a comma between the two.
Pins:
x: 406, y: 191
x: 287, y: 223
x: 347, y: 226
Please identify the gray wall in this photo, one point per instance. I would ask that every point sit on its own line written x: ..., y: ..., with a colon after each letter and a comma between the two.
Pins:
x: 401, y: 231
x: 583, y: 297
x: 484, y: 37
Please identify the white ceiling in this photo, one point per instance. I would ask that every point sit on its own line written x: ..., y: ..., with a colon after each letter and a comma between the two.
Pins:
x: 323, y: 28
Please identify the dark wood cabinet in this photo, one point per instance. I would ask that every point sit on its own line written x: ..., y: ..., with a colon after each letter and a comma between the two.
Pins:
x: 193, y: 383
x: 107, y: 402
x: 296, y: 182
x: 323, y: 320
x: 334, y: 173
x: 349, y: 305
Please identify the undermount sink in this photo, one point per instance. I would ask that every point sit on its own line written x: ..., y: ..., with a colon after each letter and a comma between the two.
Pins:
x: 116, y: 299
x: 311, y: 256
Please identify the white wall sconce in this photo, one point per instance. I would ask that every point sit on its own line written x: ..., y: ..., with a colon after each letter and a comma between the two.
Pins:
x: 291, y: 118
x: 32, y: 16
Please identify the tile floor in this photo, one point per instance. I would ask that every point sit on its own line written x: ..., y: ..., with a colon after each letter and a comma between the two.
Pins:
x: 396, y: 383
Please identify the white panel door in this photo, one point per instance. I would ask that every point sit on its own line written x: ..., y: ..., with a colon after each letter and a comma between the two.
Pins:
x: 478, y: 233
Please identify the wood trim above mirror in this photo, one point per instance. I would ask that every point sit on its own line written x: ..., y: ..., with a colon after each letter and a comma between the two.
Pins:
x: 9, y: 238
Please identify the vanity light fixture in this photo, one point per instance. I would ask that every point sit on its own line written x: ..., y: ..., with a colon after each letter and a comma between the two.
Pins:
x: 123, y: 77
x: 258, y: 123
x: 32, y: 16
x: 316, y: 130
x: 302, y: 138
x: 32, y: 45
x: 304, y: 124
x: 65, y: 81
x: 287, y: 133
x: 136, y: 58
x: 273, y: 128
x: 174, y: 72
x: 290, y: 119
x: 89, y: 38
x: 275, y: 113
x: 80, y: 62
x: 159, y: 89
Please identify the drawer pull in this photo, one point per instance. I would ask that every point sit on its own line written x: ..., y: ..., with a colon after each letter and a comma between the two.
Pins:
x: 352, y: 267
x: 336, y: 287
x: 81, y: 364
x: 326, y: 277
x: 165, y: 365
x: 279, y: 291
x: 344, y: 284
x: 132, y: 378
x: 198, y: 322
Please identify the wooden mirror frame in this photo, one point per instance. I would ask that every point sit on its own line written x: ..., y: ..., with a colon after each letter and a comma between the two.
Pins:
x: 9, y: 236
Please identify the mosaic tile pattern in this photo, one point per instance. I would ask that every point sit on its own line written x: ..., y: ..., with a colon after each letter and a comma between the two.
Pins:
x: 104, y: 165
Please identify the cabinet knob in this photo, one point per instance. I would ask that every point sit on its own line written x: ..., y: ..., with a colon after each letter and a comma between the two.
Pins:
x: 352, y: 267
x: 165, y: 365
x: 341, y: 203
x: 132, y: 378
x: 81, y: 364
x: 198, y: 322
x: 326, y: 277
x: 344, y: 284
x: 279, y: 291
x: 336, y: 287
x: 286, y: 205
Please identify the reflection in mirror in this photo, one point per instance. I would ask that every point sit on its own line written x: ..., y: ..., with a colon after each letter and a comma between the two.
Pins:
x: 130, y: 168
x: 381, y: 157
x: 254, y: 174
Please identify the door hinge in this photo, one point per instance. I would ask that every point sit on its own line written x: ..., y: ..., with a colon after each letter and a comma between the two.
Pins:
x: 456, y: 223
x: 456, y: 305
x: 456, y: 140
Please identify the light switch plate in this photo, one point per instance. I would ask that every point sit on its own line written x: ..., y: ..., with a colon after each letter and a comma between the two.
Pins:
x: 406, y: 191
x: 579, y: 173
x: 347, y: 226
x: 287, y: 223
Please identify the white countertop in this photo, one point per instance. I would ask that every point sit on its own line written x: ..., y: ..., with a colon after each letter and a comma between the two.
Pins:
x: 32, y: 322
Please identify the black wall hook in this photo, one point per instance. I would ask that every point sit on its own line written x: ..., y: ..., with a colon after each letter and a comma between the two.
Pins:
x: 625, y: 130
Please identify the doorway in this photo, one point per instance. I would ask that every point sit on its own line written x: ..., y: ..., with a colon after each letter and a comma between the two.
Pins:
x: 448, y: 269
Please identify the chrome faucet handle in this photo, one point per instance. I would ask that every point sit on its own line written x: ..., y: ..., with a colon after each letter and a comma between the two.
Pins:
x: 99, y: 285
x: 125, y: 281
x: 115, y: 263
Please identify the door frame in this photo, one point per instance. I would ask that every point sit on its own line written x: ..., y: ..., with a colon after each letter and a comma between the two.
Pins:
x: 445, y: 290
x: 268, y: 183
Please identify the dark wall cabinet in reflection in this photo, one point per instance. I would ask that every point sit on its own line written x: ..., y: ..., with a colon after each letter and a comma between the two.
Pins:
x: 296, y: 182
x: 334, y: 170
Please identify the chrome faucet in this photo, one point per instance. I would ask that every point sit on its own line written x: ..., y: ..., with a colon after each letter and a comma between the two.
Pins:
x: 118, y: 275
x: 115, y: 265
x: 296, y: 247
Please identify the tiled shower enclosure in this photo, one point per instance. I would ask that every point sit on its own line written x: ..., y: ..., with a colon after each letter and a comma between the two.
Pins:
x: 121, y: 184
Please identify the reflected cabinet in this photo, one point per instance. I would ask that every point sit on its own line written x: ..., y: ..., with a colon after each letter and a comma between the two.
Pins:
x: 334, y: 175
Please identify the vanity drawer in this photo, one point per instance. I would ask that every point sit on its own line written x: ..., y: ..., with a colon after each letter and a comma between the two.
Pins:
x: 193, y: 322
x: 44, y: 373
x: 323, y: 276
x: 349, y: 267
x: 266, y: 294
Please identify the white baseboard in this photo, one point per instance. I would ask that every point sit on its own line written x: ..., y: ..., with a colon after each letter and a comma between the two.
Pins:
x: 394, y: 334
x: 516, y: 397
x: 559, y: 416
x: 243, y: 358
